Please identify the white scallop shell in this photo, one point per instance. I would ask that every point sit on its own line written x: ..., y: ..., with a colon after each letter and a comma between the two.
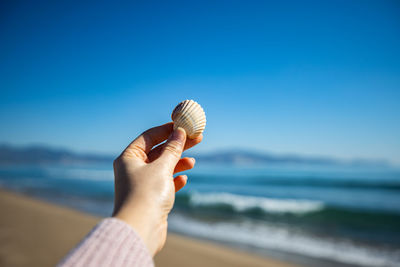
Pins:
x: 190, y: 116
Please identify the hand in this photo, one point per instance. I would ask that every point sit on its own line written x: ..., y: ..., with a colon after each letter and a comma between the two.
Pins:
x: 144, y: 183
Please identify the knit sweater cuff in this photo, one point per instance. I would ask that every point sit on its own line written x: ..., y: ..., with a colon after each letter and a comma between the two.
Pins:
x: 112, y: 242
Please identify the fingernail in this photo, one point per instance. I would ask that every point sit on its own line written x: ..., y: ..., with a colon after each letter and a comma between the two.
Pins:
x: 178, y: 135
x: 193, y: 159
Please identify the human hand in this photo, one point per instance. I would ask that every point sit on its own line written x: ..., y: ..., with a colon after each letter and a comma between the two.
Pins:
x: 144, y: 183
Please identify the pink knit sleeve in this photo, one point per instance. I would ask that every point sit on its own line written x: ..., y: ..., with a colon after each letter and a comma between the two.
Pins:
x: 111, y: 243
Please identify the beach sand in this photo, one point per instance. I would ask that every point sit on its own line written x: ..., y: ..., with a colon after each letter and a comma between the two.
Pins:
x: 36, y: 233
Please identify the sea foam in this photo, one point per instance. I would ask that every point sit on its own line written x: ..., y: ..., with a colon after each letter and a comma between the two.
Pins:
x: 242, y: 203
x: 267, y: 236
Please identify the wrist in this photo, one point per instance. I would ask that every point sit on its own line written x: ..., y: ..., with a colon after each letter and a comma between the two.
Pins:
x: 145, y: 221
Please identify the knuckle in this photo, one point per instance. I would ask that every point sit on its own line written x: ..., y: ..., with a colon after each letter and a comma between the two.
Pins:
x: 135, y: 151
x: 174, y: 148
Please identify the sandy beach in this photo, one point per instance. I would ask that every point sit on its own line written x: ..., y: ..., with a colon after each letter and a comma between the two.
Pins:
x: 36, y: 233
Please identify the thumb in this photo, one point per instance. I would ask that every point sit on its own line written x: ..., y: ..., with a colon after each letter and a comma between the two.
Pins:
x: 173, y: 148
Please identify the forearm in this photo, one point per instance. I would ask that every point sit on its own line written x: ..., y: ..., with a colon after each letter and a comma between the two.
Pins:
x: 111, y: 243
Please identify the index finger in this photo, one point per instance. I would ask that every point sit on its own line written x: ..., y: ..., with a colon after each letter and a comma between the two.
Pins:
x: 147, y: 140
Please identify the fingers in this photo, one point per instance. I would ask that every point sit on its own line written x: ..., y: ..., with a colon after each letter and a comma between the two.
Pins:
x: 173, y: 148
x: 192, y: 142
x: 180, y: 181
x: 156, y: 152
x: 184, y: 165
x: 145, y: 142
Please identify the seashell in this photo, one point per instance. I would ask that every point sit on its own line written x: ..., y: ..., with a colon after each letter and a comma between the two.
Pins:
x: 190, y: 116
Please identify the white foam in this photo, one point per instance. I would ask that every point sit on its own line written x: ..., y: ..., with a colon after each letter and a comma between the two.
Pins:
x: 266, y: 236
x: 242, y: 203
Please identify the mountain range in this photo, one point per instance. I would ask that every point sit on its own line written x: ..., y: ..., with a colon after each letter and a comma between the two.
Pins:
x: 47, y: 155
x: 42, y: 154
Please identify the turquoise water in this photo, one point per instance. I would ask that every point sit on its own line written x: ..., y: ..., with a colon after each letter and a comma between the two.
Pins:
x: 350, y: 215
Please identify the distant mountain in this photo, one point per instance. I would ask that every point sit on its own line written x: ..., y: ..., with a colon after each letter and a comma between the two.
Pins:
x: 43, y: 154
x: 243, y: 157
x: 248, y: 157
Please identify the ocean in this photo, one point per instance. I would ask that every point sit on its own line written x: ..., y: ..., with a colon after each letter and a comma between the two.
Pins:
x: 341, y: 215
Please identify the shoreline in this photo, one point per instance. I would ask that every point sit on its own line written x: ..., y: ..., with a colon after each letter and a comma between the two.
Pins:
x: 37, y: 233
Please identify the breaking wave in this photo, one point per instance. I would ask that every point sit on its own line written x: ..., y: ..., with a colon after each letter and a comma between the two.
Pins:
x: 240, y: 203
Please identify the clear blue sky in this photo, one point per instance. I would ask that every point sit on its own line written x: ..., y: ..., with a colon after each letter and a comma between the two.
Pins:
x: 306, y: 77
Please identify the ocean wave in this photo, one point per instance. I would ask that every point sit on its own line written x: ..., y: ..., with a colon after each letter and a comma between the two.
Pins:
x: 267, y: 236
x: 242, y: 203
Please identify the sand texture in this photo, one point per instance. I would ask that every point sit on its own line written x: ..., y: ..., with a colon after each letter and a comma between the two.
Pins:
x: 35, y: 233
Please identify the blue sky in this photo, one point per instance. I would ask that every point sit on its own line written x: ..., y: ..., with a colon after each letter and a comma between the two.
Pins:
x: 306, y: 77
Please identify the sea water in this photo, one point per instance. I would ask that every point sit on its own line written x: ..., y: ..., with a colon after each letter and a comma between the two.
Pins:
x: 349, y: 215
